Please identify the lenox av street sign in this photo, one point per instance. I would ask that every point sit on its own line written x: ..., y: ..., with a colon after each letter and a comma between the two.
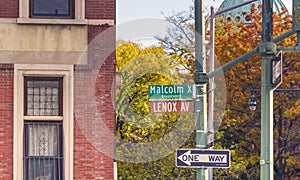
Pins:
x: 202, y: 158
x: 171, y: 106
x: 169, y: 91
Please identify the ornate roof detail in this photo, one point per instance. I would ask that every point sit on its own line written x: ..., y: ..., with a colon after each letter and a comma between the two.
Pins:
x: 241, y: 11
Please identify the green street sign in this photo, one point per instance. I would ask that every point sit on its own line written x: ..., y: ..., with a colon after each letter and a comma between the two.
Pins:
x: 170, y: 91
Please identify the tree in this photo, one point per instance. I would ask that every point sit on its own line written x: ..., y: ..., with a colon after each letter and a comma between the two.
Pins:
x: 240, y: 128
x: 146, y: 142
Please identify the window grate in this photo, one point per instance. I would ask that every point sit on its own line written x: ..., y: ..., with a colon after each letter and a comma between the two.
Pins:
x: 43, y: 155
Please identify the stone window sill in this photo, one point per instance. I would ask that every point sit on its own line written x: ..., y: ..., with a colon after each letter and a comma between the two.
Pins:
x: 66, y: 21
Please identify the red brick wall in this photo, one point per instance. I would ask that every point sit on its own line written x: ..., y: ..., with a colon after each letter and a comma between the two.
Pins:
x: 93, y: 150
x: 93, y: 155
x: 9, y: 8
x: 6, y: 122
x: 89, y: 161
x: 100, y: 9
x: 95, y: 9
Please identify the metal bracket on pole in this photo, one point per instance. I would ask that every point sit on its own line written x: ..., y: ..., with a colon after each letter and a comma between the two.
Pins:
x: 210, y: 139
x: 289, y: 48
x: 201, y: 78
x: 267, y: 48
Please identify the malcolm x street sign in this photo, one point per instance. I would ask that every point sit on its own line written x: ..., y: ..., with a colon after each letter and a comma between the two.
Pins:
x: 170, y: 91
x: 202, y: 158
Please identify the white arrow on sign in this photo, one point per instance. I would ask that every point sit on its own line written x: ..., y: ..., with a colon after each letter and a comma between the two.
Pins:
x: 189, y: 158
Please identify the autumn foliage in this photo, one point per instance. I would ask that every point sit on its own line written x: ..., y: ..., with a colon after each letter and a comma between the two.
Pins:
x: 239, y: 128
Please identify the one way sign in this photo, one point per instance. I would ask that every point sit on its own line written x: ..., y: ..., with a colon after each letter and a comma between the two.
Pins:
x: 203, y: 158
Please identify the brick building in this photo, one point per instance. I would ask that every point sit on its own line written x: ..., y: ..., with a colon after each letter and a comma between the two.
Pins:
x: 56, y: 82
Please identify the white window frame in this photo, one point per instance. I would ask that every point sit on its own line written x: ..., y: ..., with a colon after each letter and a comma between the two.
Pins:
x: 67, y: 13
x: 43, y: 70
x: 79, y: 14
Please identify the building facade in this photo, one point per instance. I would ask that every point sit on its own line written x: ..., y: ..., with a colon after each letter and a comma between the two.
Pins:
x: 57, y: 64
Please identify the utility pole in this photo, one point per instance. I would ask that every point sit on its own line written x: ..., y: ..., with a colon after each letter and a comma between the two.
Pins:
x: 200, y: 82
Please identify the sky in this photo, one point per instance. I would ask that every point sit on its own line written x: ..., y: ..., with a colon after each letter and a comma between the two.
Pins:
x: 128, y: 10
x: 143, y: 19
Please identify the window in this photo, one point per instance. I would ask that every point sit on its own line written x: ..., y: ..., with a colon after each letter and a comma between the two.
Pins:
x: 63, y: 10
x: 43, y: 140
x: 43, y: 122
x: 52, y: 8
x: 43, y: 96
x: 43, y: 150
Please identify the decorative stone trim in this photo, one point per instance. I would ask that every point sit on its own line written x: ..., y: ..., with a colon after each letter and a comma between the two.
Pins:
x: 95, y: 22
x: 49, y: 70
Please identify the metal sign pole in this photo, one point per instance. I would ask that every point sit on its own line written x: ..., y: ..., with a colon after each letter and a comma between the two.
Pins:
x: 200, y: 82
x: 267, y: 51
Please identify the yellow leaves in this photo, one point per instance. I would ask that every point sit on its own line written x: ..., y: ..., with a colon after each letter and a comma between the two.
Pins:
x: 287, y: 41
x: 153, y: 50
x: 227, y: 27
x: 126, y: 51
x: 276, y: 16
x: 295, y: 110
x: 128, y: 128
x: 141, y: 67
x: 289, y: 26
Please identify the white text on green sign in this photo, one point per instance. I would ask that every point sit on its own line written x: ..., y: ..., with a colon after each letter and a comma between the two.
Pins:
x: 171, y: 106
x: 170, y: 91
